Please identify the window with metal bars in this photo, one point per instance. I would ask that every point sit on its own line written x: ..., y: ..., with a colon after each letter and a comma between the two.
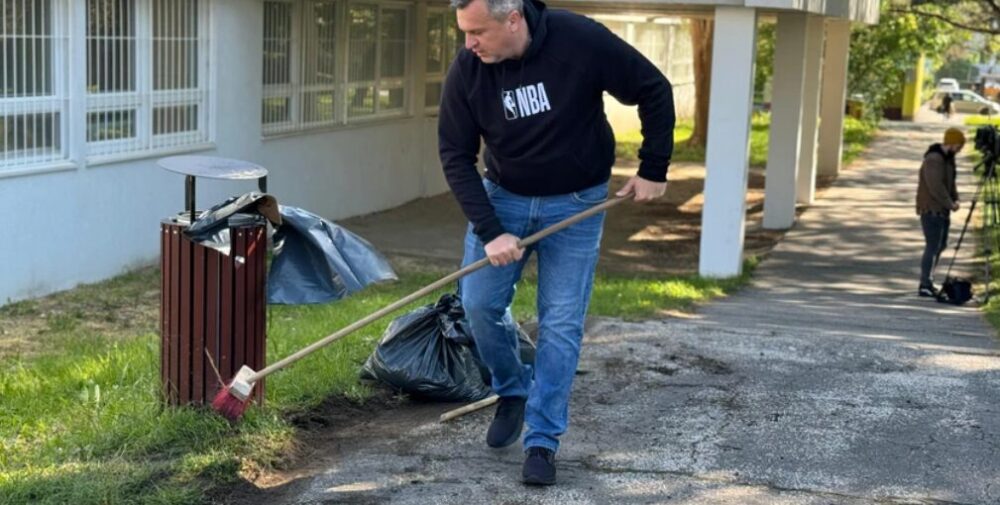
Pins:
x: 444, y: 40
x: 300, y: 65
x: 329, y: 63
x: 33, y: 92
x: 146, y: 75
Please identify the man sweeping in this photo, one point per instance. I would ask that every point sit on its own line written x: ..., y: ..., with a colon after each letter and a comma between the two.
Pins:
x: 531, y: 83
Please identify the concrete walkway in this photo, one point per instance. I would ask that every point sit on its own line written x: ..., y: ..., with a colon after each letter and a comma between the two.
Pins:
x: 826, y: 382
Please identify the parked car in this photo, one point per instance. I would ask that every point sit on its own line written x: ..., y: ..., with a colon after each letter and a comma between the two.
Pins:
x: 947, y: 84
x: 966, y: 102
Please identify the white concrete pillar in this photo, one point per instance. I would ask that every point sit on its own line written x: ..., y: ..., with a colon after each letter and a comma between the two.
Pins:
x: 805, y: 191
x: 727, y: 155
x: 834, y: 92
x: 786, y: 121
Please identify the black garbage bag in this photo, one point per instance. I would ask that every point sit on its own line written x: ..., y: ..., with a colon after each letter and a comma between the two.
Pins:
x: 427, y: 353
x: 430, y: 353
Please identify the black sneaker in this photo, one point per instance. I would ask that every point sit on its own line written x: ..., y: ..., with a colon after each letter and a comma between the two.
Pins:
x: 928, y: 291
x: 506, y: 426
x: 539, y: 467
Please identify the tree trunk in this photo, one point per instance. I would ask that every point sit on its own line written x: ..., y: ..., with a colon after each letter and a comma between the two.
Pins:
x: 701, y: 48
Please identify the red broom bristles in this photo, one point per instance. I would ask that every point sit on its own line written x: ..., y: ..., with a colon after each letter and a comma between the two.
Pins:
x: 229, y: 406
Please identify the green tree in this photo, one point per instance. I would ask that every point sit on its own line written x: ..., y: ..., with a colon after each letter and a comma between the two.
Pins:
x: 957, y: 68
x: 882, y: 54
x: 764, y: 66
x: 982, y: 16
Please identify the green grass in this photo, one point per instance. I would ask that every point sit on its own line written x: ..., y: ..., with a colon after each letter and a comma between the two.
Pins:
x: 857, y: 135
x: 82, y: 422
x: 992, y: 308
x: 985, y: 215
x: 976, y: 120
x: 627, y: 144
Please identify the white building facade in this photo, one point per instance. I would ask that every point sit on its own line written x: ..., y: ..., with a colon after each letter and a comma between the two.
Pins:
x: 337, y: 98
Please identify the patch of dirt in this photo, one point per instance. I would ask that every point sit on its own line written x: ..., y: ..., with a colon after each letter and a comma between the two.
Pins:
x: 122, y: 307
x: 331, y: 429
x: 663, y: 237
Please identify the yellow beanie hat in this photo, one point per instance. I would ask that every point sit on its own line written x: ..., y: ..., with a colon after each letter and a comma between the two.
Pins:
x: 954, y: 136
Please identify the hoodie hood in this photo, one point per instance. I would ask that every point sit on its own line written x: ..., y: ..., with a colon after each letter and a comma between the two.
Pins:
x: 938, y: 148
x: 535, y: 14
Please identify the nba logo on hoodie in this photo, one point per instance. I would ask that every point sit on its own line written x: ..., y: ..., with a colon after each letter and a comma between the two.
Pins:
x: 525, y: 101
x: 509, y: 106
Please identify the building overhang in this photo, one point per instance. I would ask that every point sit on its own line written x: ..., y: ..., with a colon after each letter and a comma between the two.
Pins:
x: 860, y: 11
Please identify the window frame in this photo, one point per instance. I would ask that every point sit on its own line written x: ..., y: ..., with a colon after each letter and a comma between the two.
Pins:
x: 145, y: 99
x: 379, y: 83
x: 438, y: 77
x: 297, y: 89
x: 289, y: 90
x: 55, y: 103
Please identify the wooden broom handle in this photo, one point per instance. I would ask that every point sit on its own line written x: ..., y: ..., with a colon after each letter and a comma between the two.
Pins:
x: 430, y: 288
x: 472, y: 407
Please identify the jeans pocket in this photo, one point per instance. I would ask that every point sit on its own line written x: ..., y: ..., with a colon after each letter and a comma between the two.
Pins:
x: 490, y: 186
x: 592, y: 195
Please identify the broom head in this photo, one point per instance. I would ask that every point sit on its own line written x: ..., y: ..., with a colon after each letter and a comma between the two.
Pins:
x: 233, y: 399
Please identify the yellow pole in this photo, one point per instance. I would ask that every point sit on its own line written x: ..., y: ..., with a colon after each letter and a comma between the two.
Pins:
x: 912, y: 89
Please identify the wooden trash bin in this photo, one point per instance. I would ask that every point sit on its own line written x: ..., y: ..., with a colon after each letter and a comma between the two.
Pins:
x: 212, y: 305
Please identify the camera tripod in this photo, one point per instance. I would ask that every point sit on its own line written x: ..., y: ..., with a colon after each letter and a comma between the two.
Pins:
x: 987, y: 191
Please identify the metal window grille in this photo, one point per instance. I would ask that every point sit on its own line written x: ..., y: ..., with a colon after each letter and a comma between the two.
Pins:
x: 327, y: 63
x: 33, y: 87
x: 444, y: 40
x: 301, y: 85
x: 377, y: 60
x: 280, y: 94
x: 319, y: 65
x: 146, y: 76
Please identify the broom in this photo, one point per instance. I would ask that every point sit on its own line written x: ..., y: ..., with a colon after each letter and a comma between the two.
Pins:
x: 231, y: 401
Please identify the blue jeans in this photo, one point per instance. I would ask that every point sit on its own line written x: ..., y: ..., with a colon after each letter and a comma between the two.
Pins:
x: 935, y: 228
x: 566, y: 262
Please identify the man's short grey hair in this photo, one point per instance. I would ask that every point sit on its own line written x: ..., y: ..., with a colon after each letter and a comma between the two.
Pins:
x: 499, y: 9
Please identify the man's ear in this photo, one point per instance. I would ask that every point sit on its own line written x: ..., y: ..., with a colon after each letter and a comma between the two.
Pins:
x: 514, y: 21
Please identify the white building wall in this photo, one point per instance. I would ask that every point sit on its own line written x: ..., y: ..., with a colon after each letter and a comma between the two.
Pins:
x: 87, y: 223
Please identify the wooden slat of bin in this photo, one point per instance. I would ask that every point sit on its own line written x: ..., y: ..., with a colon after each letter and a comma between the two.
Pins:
x: 249, y: 295
x: 164, y: 306
x: 212, y: 284
x: 198, y: 328
x: 175, y: 313
x: 226, y: 318
x: 260, y: 297
x: 187, y: 300
x: 239, y: 298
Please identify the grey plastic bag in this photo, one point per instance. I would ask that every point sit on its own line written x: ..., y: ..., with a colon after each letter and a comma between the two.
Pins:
x: 317, y: 261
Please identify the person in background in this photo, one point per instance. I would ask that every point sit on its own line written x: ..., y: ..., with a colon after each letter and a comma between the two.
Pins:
x: 946, y: 105
x: 937, y: 198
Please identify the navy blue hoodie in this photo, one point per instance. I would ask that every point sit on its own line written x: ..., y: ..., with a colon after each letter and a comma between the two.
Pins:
x: 542, y: 116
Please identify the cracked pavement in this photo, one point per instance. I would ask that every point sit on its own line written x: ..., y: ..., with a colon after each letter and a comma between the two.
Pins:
x: 825, y: 382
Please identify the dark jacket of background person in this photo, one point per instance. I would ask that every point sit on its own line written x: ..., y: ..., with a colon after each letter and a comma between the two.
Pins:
x: 936, y: 191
